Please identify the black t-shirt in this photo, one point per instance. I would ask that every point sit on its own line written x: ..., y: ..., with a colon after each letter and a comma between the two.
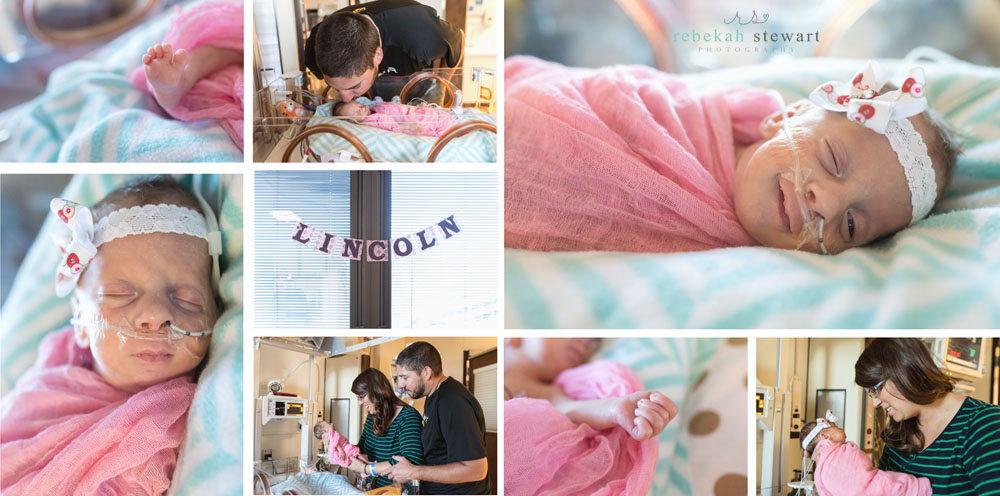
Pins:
x: 454, y: 431
x: 413, y: 37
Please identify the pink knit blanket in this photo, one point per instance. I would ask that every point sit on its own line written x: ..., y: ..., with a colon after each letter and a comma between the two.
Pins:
x: 339, y: 449
x: 845, y: 470
x: 64, y: 429
x: 219, y: 95
x: 623, y: 158
x: 419, y: 121
x: 567, y: 458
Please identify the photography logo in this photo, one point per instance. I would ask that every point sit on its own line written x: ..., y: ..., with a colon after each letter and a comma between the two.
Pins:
x: 745, y: 34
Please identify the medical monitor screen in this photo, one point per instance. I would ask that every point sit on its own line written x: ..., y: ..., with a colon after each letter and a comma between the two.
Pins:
x: 760, y: 403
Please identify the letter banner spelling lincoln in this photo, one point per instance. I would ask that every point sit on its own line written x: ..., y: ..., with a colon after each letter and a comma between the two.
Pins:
x: 375, y: 250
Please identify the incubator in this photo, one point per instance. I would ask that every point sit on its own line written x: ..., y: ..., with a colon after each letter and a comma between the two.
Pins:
x: 419, y: 116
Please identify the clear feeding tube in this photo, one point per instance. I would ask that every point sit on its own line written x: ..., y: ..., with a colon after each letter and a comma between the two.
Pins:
x: 812, y: 227
x: 169, y: 334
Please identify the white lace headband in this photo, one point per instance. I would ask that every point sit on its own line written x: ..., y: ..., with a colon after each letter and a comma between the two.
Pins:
x: 886, y: 114
x: 821, y: 424
x: 78, y: 238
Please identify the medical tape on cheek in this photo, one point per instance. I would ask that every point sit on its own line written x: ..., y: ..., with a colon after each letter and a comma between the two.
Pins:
x: 176, y: 337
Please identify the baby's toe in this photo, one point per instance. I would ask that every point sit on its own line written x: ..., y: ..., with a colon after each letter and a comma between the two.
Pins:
x: 146, y: 59
x: 167, y: 52
x: 181, y: 57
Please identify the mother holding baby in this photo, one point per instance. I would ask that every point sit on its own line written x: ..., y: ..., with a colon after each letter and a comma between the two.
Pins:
x: 392, y: 429
x: 931, y: 431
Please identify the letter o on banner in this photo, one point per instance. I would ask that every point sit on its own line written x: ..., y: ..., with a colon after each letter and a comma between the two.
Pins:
x: 378, y: 250
x: 407, y: 247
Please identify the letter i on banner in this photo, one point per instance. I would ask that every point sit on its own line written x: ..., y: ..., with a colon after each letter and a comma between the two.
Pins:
x: 352, y: 248
x: 303, y: 232
x: 378, y: 250
x: 325, y: 242
x: 402, y: 246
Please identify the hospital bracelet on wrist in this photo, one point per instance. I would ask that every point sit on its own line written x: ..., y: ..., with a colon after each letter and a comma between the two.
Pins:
x: 372, y: 469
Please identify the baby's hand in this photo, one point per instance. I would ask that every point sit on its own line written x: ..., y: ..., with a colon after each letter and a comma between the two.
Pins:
x: 644, y: 414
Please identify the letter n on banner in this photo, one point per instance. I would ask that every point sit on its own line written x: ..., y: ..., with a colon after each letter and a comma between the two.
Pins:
x: 378, y: 250
x: 402, y: 246
x: 302, y: 233
x: 352, y: 248
x: 447, y: 225
x: 325, y: 242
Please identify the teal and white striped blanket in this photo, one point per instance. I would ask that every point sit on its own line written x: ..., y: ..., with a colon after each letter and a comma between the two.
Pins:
x: 943, y: 272
x: 90, y: 112
x: 211, y: 460
x: 387, y: 146
x: 706, y: 378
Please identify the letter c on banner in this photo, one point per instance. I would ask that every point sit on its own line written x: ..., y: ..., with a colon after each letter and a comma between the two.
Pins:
x: 408, y: 247
x: 378, y: 250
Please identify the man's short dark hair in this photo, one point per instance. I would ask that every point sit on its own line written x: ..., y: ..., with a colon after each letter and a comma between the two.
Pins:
x: 418, y: 355
x: 345, y: 44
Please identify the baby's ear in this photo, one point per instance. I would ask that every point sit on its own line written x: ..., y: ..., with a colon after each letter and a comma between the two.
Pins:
x: 774, y: 122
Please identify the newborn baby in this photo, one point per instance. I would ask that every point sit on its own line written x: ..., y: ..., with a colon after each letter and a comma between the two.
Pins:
x: 532, y: 364
x: 338, y: 449
x: 104, y: 408
x: 589, y: 428
x: 396, y: 117
x: 842, y: 469
x: 196, y: 73
x: 632, y: 159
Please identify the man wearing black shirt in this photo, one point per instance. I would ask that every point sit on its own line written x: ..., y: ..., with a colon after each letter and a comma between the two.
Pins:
x: 454, y: 432
x: 354, y: 45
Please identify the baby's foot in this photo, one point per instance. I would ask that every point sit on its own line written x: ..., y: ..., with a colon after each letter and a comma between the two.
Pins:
x: 644, y: 414
x: 166, y: 72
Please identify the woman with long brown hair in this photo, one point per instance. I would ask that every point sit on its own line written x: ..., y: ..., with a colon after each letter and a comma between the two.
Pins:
x: 931, y: 431
x: 392, y: 428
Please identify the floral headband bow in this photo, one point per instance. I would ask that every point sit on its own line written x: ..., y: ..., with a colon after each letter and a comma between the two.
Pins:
x: 821, y: 424
x: 78, y: 238
x: 887, y: 114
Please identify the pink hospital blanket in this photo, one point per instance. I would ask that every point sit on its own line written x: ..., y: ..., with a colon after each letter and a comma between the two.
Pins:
x: 339, y: 449
x: 845, y: 470
x: 566, y: 458
x: 219, y: 95
x: 65, y: 428
x: 420, y: 121
x: 623, y: 158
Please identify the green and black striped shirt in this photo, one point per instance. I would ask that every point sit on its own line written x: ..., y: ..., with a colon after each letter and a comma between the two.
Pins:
x: 963, y: 460
x: 401, y: 439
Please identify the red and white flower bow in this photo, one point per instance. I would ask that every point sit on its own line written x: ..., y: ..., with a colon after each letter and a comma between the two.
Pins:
x: 861, y: 100
x: 75, y: 239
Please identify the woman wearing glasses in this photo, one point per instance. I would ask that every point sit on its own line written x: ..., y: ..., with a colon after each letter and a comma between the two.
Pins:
x: 392, y: 428
x: 932, y: 431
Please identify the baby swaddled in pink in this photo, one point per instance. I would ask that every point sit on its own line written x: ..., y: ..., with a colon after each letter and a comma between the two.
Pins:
x: 622, y: 159
x: 339, y: 450
x: 399, y: 118
x: 842, y: 469
x: 65, y: 429
x: 576, y: 458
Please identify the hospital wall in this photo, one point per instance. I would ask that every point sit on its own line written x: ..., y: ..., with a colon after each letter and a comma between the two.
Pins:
x: 283, y: 437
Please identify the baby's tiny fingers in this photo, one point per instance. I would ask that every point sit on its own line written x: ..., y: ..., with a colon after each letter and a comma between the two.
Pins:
x: 665, y: 402
x: 656, y: 419
x: 642, y: 429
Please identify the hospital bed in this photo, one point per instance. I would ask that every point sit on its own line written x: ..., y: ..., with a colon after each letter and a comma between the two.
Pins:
x: 90, y: 112
x: 941, y: 272
x: 319, y: 136
x: 211, y: 458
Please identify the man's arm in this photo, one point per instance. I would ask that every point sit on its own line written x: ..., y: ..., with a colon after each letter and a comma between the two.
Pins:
x: 451, y: 473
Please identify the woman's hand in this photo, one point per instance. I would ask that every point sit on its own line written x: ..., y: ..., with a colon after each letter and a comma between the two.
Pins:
x: 357, y: 465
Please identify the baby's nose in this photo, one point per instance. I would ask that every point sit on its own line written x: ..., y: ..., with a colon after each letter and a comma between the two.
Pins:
x: 153, y: 314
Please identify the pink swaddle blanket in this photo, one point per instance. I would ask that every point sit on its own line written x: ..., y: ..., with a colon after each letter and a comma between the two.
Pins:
x: 64, y: 428
x: 567, y: 458
x: 420, y: 121
x: 219, y: 95
x: 339, y: 449
x: 845, y: 470
x: 621, y: 159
